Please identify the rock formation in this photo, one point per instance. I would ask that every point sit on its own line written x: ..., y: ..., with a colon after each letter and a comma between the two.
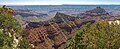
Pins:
x: 95, y: 13
x: 98, y: 11
x: 38, y: 38
x: 55, y: 33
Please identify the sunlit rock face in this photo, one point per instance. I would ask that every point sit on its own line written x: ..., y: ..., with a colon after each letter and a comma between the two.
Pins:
x: 55, y: 33
x: 38, y: 38
x: 115, y: 22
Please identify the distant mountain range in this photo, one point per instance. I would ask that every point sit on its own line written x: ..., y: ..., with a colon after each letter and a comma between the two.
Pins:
x: 38, y: 13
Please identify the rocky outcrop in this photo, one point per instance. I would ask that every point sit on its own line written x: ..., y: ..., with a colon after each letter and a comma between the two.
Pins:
x: 7, y: 10
x: 55, y: 33
x: 38, y: 38
x: 98, y: 11
x: 95, y: 13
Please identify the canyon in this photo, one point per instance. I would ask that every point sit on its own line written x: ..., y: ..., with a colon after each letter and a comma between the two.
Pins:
x: 56, y: 32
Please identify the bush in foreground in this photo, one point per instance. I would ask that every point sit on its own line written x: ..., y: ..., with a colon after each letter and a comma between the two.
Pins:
x: 100, y: 35
x: 11, y: 32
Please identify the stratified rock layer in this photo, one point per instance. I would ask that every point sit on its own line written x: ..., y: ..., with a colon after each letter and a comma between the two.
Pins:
x: 55, y: 33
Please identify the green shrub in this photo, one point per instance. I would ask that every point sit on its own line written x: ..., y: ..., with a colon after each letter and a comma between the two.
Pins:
x: 9, y: 30
x: 100, y: 35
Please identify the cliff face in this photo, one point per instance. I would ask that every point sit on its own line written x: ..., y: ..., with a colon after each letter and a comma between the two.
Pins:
x: 55, y: 33
x: 38, y: 38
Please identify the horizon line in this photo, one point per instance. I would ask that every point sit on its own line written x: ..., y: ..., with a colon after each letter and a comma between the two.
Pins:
x: 59, y: 4
x: 67, y: 4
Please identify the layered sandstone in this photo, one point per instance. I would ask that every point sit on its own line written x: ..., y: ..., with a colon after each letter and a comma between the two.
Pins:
x: 55, y: 33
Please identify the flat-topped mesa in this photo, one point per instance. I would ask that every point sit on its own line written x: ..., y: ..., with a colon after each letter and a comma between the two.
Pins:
x: 98, y: 11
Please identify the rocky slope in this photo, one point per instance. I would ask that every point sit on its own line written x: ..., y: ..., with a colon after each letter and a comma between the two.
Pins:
x: 55, y: 33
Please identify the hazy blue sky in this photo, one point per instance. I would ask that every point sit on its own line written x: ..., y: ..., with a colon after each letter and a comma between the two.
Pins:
x: 57, y: 2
